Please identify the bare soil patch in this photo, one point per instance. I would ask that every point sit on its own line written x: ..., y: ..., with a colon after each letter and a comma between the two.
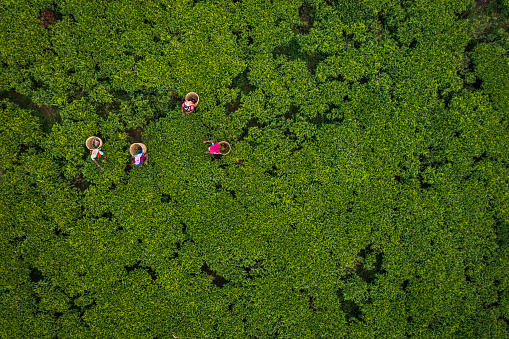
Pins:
x: 481, y: 3
x: 48, y: 18
x: 312, y: 304
x: 49, y: 114
x: 135, y: 133
x: 80, y: 183
x: 218, y: 280
x: 306, y: 20
x: 49, y: 111
x: 232, y: 107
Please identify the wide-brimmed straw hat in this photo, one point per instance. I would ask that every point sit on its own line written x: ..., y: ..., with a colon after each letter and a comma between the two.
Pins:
x: 192, y: 95
x: 133, y: 149
x: 224, y: 143
x: 90, y: 143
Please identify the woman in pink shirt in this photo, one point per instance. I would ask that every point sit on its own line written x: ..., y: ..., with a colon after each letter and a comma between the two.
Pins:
x: 188, y: 105
x: 214, y: 149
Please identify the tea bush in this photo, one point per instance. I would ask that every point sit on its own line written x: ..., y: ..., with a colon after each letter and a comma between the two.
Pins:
x: 365, y: 194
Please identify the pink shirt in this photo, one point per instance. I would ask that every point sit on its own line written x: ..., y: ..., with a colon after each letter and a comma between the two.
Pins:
x: 214, y: 148
x: 187, y: 108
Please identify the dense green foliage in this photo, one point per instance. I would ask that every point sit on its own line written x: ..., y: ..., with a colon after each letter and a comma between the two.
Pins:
x: 366, y: 194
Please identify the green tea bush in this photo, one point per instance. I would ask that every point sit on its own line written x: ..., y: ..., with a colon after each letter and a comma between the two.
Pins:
x: 365, y: 194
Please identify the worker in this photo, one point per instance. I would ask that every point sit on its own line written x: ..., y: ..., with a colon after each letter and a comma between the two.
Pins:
x: 96, y: 153
x: 188, y: 105
x: 215, y: 148
x: 139, y: 158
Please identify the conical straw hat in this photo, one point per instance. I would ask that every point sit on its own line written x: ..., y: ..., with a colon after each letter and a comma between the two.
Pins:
x: 192, y: 95
x: 90, y: 143
x: 133, y: 149
x: 225, y: 143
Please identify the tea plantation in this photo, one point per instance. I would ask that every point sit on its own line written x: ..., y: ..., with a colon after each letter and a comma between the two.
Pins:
x: 366, y: 194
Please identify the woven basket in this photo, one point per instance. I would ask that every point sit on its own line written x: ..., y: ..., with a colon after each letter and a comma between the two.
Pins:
x: 225, y: 143
x: 134, y: 148
x: 90, y: 143
x: 192, y: 95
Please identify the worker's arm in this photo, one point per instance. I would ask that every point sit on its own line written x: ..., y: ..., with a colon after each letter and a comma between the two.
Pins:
x: 98, y: 164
